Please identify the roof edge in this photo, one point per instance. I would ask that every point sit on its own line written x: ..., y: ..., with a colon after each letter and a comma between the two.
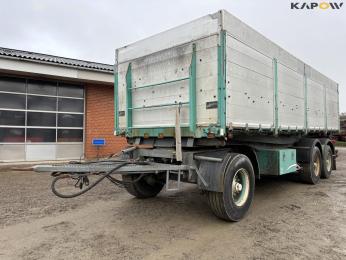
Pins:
x: 55, y: 60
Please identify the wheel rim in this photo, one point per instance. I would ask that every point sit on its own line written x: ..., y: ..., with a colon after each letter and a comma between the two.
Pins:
x: 317, y: 166
x: 240, y: 187
x: 329, y: 161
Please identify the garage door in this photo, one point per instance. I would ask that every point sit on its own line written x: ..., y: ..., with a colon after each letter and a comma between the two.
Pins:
x: 40, y: 120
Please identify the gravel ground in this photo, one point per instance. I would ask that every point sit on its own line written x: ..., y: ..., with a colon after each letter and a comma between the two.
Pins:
x: 288, y: 220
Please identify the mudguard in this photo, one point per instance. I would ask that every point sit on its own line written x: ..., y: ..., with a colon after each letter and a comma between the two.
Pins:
x: 213, y: 171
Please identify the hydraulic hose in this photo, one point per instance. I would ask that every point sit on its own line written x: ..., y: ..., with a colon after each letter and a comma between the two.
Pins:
x: 85, y: 190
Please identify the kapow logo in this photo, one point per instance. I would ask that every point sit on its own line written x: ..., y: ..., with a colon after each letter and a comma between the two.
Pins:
x: 315, y: 5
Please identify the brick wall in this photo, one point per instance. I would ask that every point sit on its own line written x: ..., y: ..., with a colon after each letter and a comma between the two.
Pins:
x: 100, y: 121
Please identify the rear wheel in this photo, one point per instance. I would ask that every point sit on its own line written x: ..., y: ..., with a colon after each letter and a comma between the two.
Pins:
x: 146, y: 187
x: 239, y: 184
x: 312, y: 171
x: 327, y: 163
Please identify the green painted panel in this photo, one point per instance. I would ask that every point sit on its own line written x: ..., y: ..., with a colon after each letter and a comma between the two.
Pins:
x: 156, y: 106
x: 116, y: 103
x: 305, y: 102
x: 129, y: 96
x: 221, y: 82
x: 276, y: 161
x: 161, y: 132
x: 288, y: 161
x: 162, y: 83
x: 276, y: 97
x: 192, y: 91
x: 200, y: 132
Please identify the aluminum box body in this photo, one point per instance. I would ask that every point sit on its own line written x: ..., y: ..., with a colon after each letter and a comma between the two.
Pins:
x: 224, y: 76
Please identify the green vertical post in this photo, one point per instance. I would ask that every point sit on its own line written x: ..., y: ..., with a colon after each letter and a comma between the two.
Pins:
x: 192, y: 90
x: 305, y: 102
x: 116, y: 102
x: 129, y: 97
x: 276, y: 97
x: 221, y: 73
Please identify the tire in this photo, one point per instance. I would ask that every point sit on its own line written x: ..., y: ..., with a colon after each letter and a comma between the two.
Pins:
x: 233, y: 203
x: 312, y: 171
x: 327, y: 163
x: 146, y: 187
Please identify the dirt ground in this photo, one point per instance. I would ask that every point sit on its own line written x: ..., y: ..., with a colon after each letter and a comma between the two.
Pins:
x: 288, y: 220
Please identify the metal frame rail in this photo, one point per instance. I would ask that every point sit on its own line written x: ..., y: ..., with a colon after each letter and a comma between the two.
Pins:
x: 97, y: 167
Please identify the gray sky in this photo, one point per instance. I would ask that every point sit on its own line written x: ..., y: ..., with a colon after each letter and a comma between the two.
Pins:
x: 91, y: 29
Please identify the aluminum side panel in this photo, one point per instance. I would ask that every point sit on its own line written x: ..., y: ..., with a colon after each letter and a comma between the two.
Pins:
x: 249, y: 87
x: 165, y: 66
x: 290, y: 84
x: 315, y: 109
x: 332, y: 108
x: 196, y: 29
x: 291, y: 98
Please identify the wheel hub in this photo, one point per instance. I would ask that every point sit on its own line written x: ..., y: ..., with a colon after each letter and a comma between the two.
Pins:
x: 240, y: 187
x: 329, y: 161
x: 316, y: 166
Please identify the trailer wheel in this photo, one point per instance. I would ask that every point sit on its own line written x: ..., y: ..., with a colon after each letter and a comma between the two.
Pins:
x: 327, y: 163
x: 312, y: 171
x: 147, y: 187
x: 239, y: 185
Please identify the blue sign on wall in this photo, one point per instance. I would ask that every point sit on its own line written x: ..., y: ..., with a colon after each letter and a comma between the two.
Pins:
x: 99, y: 141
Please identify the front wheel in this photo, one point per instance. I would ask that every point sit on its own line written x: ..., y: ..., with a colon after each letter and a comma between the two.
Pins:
x: 239, y: 185
x: 146, y: 187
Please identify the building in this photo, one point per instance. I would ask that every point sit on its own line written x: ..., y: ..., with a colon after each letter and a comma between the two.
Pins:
x: 342, y: 134
x: 51, y: 108
x: 343, y: 123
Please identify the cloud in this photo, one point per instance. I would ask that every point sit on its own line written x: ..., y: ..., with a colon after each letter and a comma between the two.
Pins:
x: 92, y: 30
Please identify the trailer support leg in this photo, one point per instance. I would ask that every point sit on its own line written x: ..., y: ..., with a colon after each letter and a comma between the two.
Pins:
x: 167, y: 182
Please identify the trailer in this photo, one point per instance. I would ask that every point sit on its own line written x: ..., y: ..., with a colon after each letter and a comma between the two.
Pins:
x: 215, y: 103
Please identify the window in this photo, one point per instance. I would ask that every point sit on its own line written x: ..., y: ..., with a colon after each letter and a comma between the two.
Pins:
x: 40, y: 135
x: 12, y: 84
x: 12, y: 135
x: 12, y: 101
x: 69, y: 90
x: 12, y: 118
x: 41, y: 87
x: 41, y: 103
x: 41, y: 119
x: 70, y: 120
x: 71, y: 105
x: 70, y: 135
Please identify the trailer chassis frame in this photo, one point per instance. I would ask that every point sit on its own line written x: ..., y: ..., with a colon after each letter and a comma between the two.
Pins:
x: 81, y: 171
